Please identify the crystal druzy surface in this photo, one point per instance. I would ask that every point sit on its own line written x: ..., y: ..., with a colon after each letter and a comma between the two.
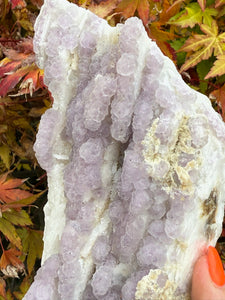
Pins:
x: 135, y: 163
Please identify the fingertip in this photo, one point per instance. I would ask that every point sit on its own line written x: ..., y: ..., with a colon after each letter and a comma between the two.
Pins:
x: 203, y: 288
x: 215, y: 266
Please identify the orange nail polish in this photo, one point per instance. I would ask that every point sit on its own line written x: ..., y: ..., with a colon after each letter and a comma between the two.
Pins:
x: 215, y: 266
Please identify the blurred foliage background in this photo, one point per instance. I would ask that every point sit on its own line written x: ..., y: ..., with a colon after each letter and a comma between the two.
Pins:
x: 191, y: 33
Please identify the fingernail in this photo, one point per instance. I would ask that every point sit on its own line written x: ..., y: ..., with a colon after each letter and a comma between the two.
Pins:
x: 215, y: 266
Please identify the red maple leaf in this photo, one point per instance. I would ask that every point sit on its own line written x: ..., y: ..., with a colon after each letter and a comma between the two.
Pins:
x: 19, y: 67
x: 9, y: 191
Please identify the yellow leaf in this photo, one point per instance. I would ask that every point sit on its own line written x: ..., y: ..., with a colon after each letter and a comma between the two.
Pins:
x: 218, y: 67
x: 192, y: 15
x: 5, y: 155
x: 24, y: 18
x: 202, y: 46
x: 104, y: 8
x: 22, y: 123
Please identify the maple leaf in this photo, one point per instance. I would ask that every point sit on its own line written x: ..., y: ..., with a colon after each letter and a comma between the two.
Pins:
x: 32, y: 245
x: 218, y: 67
x: 103, y: 9
x: 169, y: 10
x: 192, y: 15
x: 21, y: 203
x: 10, y: 263
x: 2, y: 287
x: 219, y: 96
x: 157, y: 32
x: 25, y: 19
x: 5, y: 155
x: 20, y: 218
x: 19, y: 66
x: 202, y: 4
x: 8, y: 191
x: 7, y: 65
x: 18, y: 4
x: 128, y: 7
x: 143, y: 11
x: 11, y: 80
x: 161, y: 37
x: 203, y: 45
x: 219, y: 3
x: 31, y: 82
x: 10, y: 233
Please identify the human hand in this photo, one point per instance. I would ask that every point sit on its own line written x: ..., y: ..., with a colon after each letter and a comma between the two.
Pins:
x: 208, y: 280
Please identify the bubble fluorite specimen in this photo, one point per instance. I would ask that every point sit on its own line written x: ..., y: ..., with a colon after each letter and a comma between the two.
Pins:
x: 135, y: 163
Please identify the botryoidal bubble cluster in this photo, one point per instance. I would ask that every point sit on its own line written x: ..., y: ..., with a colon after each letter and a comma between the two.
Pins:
x: 145, y: 151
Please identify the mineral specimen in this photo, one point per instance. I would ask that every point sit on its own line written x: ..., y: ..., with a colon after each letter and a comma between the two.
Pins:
x: 135, y: 163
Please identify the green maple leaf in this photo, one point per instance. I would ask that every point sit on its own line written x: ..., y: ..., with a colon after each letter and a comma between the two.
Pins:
x: 192, y: 15
x: 8, y: 221
x: 202, y: 46
x: 20, y: 218
x: 32, y: 245
x: 5, y: 155
x: 9, y: 232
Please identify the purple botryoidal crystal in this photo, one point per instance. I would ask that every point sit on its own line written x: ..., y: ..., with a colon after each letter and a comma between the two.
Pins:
x: 135, y: 161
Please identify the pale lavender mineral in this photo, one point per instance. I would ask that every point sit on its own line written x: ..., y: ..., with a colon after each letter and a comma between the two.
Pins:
x: 135, y: 162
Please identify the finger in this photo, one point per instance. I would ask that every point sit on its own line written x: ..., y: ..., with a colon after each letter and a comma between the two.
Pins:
x: 203, y: 285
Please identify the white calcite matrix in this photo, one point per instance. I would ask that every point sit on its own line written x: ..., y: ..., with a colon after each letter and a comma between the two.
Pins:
x: 135, y: 161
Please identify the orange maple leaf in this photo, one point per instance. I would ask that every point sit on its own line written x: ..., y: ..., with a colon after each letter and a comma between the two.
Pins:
x: 9, y: 192
x: 2, y: 287
x: 10, y: 263
x: 169, y: 10
x: 10, y: 257
x: 128, y: 7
